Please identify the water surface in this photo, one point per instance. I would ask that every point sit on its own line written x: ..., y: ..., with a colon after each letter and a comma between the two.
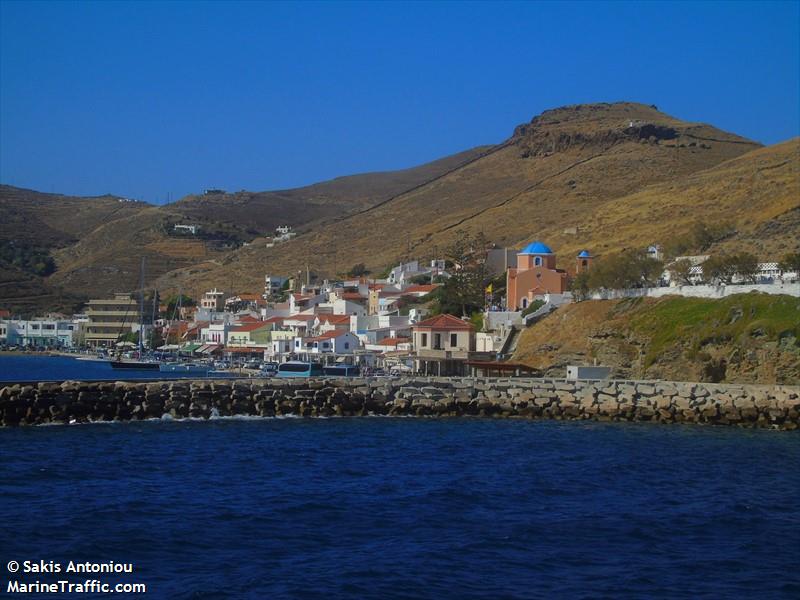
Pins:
x: 411, y: 508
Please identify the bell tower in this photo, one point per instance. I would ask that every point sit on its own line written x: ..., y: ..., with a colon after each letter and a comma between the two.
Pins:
x: 584, y: 262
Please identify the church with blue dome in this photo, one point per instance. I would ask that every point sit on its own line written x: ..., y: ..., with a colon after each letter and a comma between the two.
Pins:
x: 536, y: 275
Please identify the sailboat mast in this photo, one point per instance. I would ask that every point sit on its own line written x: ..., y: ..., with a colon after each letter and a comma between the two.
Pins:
x: 141, y: 310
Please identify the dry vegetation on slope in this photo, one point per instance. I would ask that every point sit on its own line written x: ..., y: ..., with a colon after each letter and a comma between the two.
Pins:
x: 556, y: 173
x: 98, y: 243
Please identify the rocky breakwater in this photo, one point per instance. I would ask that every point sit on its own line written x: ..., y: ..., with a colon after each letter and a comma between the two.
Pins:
x: 775, y: 407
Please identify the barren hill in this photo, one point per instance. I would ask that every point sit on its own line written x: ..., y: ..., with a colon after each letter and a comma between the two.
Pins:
x: 55, y: 220
x: 556, y: 173
x: 97, y: 243
x: 597, y: 176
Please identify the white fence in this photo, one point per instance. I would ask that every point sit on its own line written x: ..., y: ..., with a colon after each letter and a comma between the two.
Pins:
x: 700, y: 291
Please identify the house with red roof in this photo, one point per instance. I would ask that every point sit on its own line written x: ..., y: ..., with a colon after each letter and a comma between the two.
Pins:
x: 443, y: 344
x: 327, y: 322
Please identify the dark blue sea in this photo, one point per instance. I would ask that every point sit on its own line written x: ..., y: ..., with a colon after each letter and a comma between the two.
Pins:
x: 408, y: 508
x: 42, y: 367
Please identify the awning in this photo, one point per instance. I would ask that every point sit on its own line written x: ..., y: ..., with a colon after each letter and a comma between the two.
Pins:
x: 244, y: 350
x: 208, y: 348
x: 190, y: 348
x: 169, y: 347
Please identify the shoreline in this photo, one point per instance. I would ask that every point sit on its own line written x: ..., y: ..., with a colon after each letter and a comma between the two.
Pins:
x: 742, y: 405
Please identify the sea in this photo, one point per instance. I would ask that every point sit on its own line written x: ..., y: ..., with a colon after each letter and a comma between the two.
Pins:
x: 44, y: 367
x: 377, y: 507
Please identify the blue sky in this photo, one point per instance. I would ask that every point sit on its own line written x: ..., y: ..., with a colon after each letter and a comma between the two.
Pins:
x: 150, y: 99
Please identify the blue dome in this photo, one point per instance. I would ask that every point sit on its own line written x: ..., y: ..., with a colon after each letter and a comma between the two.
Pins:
x: 536, y: 248
x: 584, y: 254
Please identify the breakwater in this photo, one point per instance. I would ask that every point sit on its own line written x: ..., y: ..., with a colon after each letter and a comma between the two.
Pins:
x: 775, y: 407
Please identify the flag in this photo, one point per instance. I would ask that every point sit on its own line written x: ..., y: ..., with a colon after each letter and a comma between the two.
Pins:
x: 489, y: 289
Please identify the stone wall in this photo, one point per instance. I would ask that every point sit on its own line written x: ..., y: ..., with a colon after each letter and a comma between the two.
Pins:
x: 775, y: 407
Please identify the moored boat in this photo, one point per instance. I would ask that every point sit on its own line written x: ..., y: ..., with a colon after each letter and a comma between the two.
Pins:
x: 134, y: 364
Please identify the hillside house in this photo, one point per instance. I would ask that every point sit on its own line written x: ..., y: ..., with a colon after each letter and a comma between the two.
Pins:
x: 443, y: 344
x: 213, y: 300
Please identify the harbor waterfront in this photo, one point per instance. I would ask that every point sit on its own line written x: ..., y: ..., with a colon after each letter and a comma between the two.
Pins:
x: 775, y: 406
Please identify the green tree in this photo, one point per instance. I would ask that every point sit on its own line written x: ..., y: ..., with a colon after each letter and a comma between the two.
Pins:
x: 632, y: 269
x: 463, y: 292
x: 719, y: 269
x: 746, y: 266
x: 173, y: 302
x: 790, y: 263
x: 357, y: 270
x: 680, y: 271
x: 579, y: 286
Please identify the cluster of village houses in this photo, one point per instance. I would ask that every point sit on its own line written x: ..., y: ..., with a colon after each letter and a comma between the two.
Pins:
x: 358, y: 321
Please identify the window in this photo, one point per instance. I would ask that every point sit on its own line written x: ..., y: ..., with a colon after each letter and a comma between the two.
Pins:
x: 347, y: 345
x: 537, y: 261
x: 453, y: 340
x: 424, y: 340
x: 584, y: 262
x: 437, y: 341
x: 34, y: 326
x: 524, y: 303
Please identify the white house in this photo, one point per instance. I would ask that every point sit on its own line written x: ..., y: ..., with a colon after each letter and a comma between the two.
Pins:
x: 331, y: 342
x: 41, y: 333
x: 215, y: 333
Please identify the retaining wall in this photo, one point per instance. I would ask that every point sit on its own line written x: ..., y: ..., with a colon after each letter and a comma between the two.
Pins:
x: 665, y: 402
x: 700, y: 291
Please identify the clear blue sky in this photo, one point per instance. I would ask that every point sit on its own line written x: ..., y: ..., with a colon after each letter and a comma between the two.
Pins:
x: 146, y: 99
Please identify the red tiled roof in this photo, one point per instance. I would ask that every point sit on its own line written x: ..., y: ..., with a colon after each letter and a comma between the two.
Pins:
x: 199, y: 324
x: 390, y: 341
x: 274, y: 320
x: 444, y: 322
x: 328, y: 335
x: 4, y: 313
x: 352, y: 296
x: 299, y: 317
x: 335, y: 319
x: 248, y: 319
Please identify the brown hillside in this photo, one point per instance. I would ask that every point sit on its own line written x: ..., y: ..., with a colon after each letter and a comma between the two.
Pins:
x: 107, y: 258
x: 54, y: 220
x: 260, y: 212
x: 557, y: 172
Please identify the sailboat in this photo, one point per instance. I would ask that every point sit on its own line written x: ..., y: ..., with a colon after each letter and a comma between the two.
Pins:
x: 139, y: 364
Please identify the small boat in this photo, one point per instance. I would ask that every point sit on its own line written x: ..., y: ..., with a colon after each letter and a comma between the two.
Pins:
x: 134, y: 365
